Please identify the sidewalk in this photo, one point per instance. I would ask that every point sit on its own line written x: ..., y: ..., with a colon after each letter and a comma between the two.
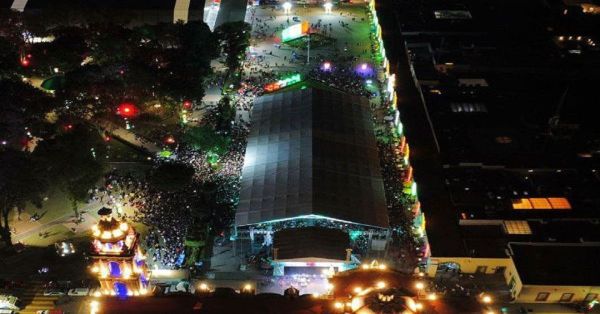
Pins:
x: 537, y: 308
x: 26, y: 228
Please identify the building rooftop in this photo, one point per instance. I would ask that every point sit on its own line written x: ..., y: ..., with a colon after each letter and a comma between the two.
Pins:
x: 311, y: 152
x: 557, y: 264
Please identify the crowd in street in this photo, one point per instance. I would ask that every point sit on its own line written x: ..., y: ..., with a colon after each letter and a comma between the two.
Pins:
x: 342, y: 77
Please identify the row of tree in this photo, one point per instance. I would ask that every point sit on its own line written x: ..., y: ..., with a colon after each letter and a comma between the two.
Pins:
x: 70, y: 160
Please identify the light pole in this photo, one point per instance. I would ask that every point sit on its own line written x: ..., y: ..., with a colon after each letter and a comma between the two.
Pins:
x: 328, y: 6
x: 308, y: 49
x: 287, y: 7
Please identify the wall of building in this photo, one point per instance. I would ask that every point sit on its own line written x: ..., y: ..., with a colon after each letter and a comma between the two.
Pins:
x: 529, y: 293
x: 470, y: 265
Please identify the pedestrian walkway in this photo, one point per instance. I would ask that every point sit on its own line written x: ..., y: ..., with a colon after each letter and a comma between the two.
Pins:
x: 32, y: 297
x: 27, y: 229
x: 127, y: 136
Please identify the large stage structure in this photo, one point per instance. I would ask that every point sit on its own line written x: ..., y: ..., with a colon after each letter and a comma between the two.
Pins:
x: 311, y: 187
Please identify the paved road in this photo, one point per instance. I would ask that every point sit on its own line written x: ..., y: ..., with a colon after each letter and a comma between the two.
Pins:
x: 36, y: 229
x: 127, y: 136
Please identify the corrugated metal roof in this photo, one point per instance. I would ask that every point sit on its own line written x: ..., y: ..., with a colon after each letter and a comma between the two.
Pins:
x: 312, y: 152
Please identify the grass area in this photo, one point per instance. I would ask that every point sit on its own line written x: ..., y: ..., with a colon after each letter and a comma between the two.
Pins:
x: 55, y: 233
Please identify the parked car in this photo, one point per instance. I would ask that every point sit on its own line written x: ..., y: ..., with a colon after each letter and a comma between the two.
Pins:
x: 53, y: 292
x: 79, y: 292
x: 64, y: 248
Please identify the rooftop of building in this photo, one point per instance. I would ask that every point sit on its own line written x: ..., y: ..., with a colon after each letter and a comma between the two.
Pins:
x: 311, y: 152
x: 557, y: 264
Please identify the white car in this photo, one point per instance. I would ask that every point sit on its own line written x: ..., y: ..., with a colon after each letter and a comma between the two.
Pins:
x: 53, y: 292
x: 64, y: 248
x: 78, y: 292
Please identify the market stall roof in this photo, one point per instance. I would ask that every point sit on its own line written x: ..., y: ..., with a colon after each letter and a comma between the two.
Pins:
x: 312, y: 242
x: 312, y: 152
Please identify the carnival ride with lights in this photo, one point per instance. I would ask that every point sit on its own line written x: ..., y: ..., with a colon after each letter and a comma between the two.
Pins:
x: 118, y: 261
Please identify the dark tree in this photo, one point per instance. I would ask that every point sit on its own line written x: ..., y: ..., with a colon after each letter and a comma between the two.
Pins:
x: 9, y: 59
x: 205, y: 139
x: 111, y: 44
x: 21, y: 181
x: 234, y: 38
x: 75, y: 161
x: 65, y: 52
x: 171, y: 176
x: 225, y: 114
x: 185, y: 68
x: 22, y: 106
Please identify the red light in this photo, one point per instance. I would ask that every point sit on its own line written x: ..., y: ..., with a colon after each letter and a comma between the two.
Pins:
x: 24, y: 62
x: 170, y: 140
x: 187, y: 104
x: 127, y: 110
x: 107, y: 138
x: 29, y: 56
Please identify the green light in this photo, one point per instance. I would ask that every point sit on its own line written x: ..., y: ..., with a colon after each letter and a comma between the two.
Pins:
x: 413, y: 189
x: 165, y: 153
x: 290, y: 80
x: 354, y: 234
x: 311, y: 216
x: 212, y: 158
x: 400, y: 128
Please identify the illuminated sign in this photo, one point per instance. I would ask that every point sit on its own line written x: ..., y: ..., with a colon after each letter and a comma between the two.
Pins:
x: 391, y: 83
x: 290, y: 80
x: 294, y: 31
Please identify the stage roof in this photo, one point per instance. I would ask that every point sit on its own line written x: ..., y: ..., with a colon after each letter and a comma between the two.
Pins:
x: 312, y: 152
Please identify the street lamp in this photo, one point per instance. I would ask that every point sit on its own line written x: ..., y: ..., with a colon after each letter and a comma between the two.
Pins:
x: 328, y: 6
x: 287, y: 7
x: 420, y: 286
x: 486, y: 299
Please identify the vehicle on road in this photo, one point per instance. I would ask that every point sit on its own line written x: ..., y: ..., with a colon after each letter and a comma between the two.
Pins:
x: 64, y: 248
x: 78, y: 292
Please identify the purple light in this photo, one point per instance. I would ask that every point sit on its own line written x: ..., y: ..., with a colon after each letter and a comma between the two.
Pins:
x: 364, y: 70
x: 115, y: 269
x: 326, y: 66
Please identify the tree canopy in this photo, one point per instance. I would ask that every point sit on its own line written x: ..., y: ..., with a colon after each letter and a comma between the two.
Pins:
x: 74, y: 160
x: 234, y: 38
x: 206, y: 139
x: 21, y: 181
x: 23, y: 108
